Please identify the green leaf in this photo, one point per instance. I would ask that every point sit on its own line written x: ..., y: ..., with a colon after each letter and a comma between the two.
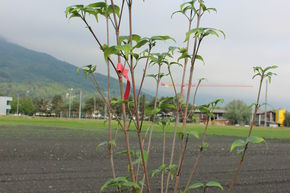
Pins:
x: 146, y: 156
x: 211, y: 9
x: 135, y: 37
x: 131, y: 185
x: 171, y: 63
x: 252, y: 105
x: 103, y: 143
x: 184, y: 54
x: 204, y: 109
x: 215, y: 102
x: 214, y: 184
x: 180, y: 134
x: 161, y: 75
x: 155, y: 111
x: 89, y: 69
x: 141, y: 43
x: 117, y: 10
x: 264, y: 73
x: 237, y: 143
x: 195, y: 186
x: 120, y: 101
x: 172, y: 168
x: 126, y: 49
x: 74, y: 11
x: 158, y: 170
x: 152, y: 75
x: 109, y: 51
x: 163, y: 38
x: 195, y: 134
x: 204, y: 145
x: 203, y: 32
x: 254, y: 139
x: 136, y: 56
x: 125, y: 152
x: 175, y: 12
x: 195, y: 31
x: 199, y: 57
x: 114, y: 183
x: 98, y: 5
x: 210, y: 32
x: 112, y: 142
x: 240, y: 151
x: 168, y: 106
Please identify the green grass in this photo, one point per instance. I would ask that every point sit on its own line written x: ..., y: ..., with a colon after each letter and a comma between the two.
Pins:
x: 77, y: 127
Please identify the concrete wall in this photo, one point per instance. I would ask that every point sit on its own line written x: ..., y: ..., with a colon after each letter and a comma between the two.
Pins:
x: 5, y: 104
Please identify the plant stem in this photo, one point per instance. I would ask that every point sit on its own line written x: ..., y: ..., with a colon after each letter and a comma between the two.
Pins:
x: 98, y: 42
x: 197, y: 158
x: 177, y: 100
x: 250, y: 132
x: 186, y: 60
x: 163, y: 159
x: 153, y: 119
x: 109, y: 104
x: 122, y: 105
x: 138, y: 167
x: 175, y: 130
x: 93, y: 78
x: 136, y: 103
x: 193, y: 59
x: 182, y: 158
x: 194, y: 98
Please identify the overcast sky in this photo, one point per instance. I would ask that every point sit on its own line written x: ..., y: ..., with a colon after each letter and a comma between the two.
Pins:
x: 258, y: 33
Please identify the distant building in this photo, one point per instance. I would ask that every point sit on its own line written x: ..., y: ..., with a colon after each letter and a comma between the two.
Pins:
x: 273, y: 117
x: 5, y: 105
x: 219, y: 117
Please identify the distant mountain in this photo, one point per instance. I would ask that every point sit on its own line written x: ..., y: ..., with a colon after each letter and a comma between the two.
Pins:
x: 27, y: 72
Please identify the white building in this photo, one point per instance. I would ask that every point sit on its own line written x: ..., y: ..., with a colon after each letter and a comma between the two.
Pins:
x: 5, y: 105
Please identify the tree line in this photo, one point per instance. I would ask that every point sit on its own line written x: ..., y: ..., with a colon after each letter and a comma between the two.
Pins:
x: 237, y: 111
x: 58, y: 106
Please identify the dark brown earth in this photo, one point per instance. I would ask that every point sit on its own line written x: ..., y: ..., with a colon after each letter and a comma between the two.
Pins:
x: 61, y: 160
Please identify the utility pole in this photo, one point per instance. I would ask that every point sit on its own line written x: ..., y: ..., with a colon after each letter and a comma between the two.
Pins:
x: 70, y: 101
x: 266, y: 102
x: 69, y: 105
x: 17, y: 104
x: 94, y: 104
x: 106, y: 112
x: 80, y: 109
x: 94, y: 113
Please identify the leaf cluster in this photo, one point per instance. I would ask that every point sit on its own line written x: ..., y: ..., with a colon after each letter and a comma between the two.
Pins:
x: 204, y: 186
x: 240, y: 143
x: 121, y: 183
x: 208, y: 109
x: 264, y: 72
x: 106, y: 143
x: 202, y: 32
x: 171, y: 169
x: 96, y: 9
x: 189, y: 10
x: 185, y: 55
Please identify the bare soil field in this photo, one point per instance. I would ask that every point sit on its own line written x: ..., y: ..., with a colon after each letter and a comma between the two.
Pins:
x: 45, y: 159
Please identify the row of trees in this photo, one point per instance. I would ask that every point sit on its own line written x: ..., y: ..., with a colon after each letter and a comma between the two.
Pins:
x: 56, y: 105
x: 287, y: 119
x: 237, y: 111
